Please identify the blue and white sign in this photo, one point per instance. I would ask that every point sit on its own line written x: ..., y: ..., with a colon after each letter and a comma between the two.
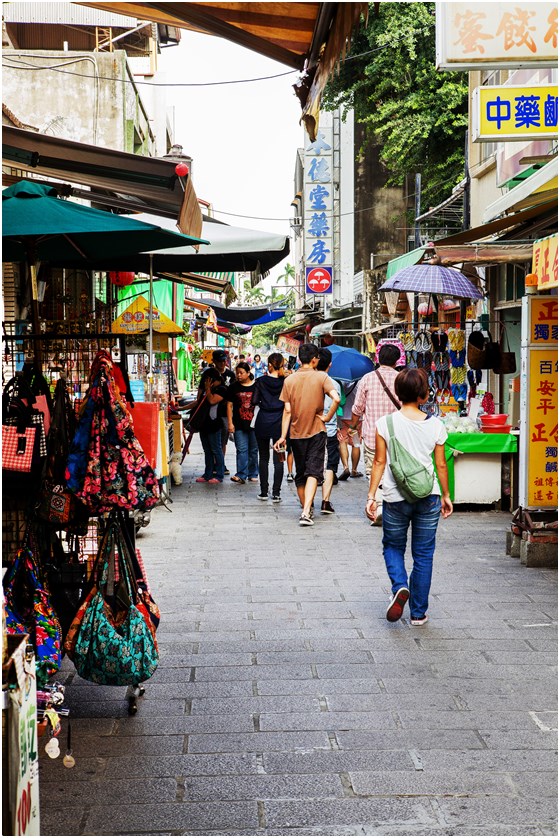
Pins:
x: 318, y: 210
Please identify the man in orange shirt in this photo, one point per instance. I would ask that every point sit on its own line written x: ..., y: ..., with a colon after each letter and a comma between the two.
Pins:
x: 303, y: 395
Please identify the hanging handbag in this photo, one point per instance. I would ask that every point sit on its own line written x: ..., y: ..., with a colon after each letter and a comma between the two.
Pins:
x: 66, y: 576
x: 29, y: 610
x: 18, y: 389
x: 505, y: 362
x: 21, y: 449
x: 115, y: 645
x: 57, y: 505
x: 477, y: 350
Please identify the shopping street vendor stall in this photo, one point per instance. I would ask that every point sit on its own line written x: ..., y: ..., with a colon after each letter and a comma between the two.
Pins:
x: 474, y: 464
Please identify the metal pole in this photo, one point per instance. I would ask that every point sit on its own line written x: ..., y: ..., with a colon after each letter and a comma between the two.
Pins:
x: 151, y: 331
x: 417, y: 197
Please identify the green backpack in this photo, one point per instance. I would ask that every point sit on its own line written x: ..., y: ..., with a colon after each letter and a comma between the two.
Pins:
x: 414, y: 481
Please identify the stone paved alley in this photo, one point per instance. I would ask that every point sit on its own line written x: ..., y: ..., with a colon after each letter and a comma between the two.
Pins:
x: 285, y: 704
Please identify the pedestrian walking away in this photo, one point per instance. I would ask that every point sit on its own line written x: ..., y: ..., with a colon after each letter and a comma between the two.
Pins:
x: 303, y: 395
x: 420, y: 436
x: 240, y: 413
x: 268, y: 424
x: 215, y: 393
x: 375, y: 398
x: 333, y: 451
x: 349, y: 434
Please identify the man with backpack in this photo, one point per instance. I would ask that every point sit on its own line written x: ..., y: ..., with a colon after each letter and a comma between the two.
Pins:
x: 405, y: 443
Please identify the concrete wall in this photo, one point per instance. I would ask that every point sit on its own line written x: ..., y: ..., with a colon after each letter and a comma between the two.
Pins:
x: 89, y: 103
x: 380, y: 219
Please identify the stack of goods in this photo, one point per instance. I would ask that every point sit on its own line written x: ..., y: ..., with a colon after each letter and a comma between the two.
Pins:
x: 457, y: 356
x: 494, y: 423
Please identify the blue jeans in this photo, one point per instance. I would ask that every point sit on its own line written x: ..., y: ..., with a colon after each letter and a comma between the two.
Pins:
x: 424, y: 516
x: 212, y: 445
x: 247, y: 454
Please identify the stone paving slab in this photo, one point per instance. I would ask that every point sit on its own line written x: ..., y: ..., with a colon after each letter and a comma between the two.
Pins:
x: 285, y: 704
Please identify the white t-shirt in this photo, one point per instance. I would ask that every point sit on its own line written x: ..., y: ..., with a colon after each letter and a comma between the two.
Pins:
x: 419, y: 438
x: 331, y: 426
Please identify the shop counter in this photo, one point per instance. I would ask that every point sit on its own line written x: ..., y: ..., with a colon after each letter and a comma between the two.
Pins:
x: 476, y: 477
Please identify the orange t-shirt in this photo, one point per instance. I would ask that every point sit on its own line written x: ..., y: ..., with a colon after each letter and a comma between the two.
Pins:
x: 305, y: 390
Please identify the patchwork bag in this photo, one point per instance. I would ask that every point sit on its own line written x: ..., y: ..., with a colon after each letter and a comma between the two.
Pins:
x: 414, y: 480
x: 115, y: 643
x: 22, y: 436
x: 29, y: 611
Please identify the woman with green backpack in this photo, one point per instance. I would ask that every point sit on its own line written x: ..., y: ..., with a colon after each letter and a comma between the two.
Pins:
x: 408, y: 443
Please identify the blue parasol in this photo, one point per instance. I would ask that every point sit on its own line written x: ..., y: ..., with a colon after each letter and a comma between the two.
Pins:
x: 348, y: 364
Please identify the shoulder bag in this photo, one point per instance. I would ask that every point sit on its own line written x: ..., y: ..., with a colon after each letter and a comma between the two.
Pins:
x: 384, y: 385
x: 414, y: 481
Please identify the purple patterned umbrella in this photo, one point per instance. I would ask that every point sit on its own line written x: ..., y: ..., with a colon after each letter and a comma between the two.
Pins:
x: 433, y: 279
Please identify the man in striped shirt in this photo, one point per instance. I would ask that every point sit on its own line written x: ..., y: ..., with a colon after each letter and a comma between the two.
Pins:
x: 373, y: 401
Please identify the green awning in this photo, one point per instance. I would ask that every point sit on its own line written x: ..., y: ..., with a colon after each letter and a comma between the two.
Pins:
x: 411, y: 258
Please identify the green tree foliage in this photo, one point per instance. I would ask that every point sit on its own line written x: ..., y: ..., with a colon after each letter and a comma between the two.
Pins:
x: 417, y: 115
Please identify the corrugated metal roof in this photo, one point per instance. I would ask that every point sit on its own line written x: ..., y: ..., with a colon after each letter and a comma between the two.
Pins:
x: 64, y: 13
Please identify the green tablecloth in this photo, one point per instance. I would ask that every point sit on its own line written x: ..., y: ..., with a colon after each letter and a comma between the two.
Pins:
x: 476, y: 444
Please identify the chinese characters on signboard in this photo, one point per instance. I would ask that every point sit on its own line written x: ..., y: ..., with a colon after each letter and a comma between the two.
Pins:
x: 471, y: 36
x: 545, y: 262
x: 318, y: 212
x: 541, y: 429
x: 515, y: 113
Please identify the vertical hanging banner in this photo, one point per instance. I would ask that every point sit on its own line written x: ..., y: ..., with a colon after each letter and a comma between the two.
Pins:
x: 545, y: 262
x: 538, y: 465
x: 318, y: 210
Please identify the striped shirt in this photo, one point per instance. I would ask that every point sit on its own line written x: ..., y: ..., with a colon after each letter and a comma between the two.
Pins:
x: 372, y: 402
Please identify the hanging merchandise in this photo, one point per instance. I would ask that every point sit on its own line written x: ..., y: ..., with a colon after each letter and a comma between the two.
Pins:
x: 66, y: 576
x: 29, y: 610
x: 505, y: 362
x: 107, y: 467
x: 488, y: 404
x: 115, y: 643
x: 24, y: 443
x: 457, y: 357
x: 57, y: 505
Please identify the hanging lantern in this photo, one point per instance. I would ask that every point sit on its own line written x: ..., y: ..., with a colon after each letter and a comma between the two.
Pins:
x: 449, y: 304
x: 122, y: 278
x: 425, y: 306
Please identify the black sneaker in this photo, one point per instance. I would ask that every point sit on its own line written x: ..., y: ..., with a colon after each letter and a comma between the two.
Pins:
x: 227, y: 471
x: 276, y: 498
x: 305, y: 521
x: 397, y: 604
x: 290, y: 477
x: 263, y: 497
x: 327, y: 508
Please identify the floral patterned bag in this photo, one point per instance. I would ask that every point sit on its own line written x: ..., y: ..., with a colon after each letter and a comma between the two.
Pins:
x: 29, y: 611
x: 115, y: 643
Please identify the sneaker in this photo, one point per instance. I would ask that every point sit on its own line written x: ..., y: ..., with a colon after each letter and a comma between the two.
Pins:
x: 335, y: 480
x: 305, y: 521
x: 227, y: 471
x: 290, y: 477
x: 276, y: 498
x: 345, y: 474
x: 419, y: 621
x: 214, y: 480
x: 312, y: 511
x: 327, y: 508
x: 263, y: 496
x: 397, y: 604
x: 201, y: 480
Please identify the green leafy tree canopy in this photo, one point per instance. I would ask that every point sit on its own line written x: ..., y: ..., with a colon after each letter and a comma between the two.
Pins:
x: 417, y: 115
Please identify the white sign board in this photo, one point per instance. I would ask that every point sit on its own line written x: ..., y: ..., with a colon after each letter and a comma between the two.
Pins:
x: 474, y: 36
x: 318, y: 204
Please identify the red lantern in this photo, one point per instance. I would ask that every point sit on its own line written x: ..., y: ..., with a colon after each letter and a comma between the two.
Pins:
x: 122, y: 278
x: 181, y: 169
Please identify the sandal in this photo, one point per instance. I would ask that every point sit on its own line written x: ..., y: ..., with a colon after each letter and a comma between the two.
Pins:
x: 236, y: 479
x: 356, y: 474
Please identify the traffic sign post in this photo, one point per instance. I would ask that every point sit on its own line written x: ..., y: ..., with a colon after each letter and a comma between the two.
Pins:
x: 319, y: 280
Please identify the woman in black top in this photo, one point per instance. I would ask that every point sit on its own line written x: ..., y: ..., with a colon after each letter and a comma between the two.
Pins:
x: 240, y: 415
x: 268, y: 425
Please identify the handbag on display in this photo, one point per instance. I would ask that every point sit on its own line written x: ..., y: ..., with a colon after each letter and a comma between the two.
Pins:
x: 66, y: 576
x: 505, y: 362
x: 29, y: 610
x: 22, y: 460
x: 18, y: 389
x: 115, y: 643
x: 57, y: 505
x: 477, y: 356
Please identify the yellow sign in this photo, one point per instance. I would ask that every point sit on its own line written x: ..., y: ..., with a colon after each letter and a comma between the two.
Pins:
x: 543, y: 321
x: 370, y: 343
x: 545, y: 262
x: 542, y: 398
x: 515, y: 113
x: 135, y: 320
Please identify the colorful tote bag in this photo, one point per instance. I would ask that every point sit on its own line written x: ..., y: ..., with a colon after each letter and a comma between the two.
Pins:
x: 29, y: 611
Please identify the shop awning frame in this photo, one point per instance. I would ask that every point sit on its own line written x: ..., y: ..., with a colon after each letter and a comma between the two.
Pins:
x: 328, y: 328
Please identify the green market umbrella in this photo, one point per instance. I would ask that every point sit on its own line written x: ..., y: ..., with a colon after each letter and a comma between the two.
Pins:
x: 37, y: 226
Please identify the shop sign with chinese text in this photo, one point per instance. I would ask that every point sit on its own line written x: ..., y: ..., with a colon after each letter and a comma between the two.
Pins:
x: 318, y: 209
x: 545, y: 262
x: 515, y: 113
x: 539, y: 403
x: 473, y: 36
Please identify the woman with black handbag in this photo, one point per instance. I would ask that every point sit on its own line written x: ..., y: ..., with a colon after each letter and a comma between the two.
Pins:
x: 209, y: 425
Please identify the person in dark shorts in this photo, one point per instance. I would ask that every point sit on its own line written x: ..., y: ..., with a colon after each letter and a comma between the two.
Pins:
x: 303, y: 395
x: 333, y: 448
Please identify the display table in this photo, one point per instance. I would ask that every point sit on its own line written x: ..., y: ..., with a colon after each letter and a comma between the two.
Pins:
x: 477, y: 478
